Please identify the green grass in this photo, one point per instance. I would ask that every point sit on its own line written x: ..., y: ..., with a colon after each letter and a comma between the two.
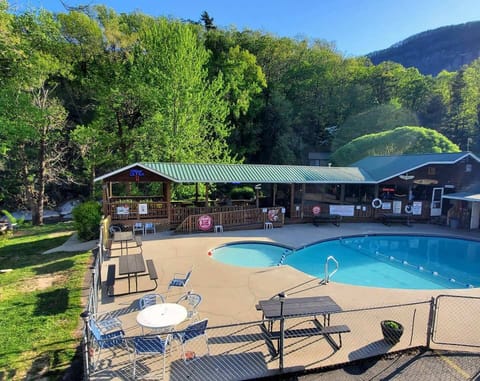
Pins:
x: 40, y: 303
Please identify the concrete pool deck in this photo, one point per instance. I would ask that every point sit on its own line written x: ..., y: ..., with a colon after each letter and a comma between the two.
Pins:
x: 230, y: 294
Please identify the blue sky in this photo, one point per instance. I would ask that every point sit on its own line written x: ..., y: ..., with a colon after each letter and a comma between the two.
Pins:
x: 355, y: 26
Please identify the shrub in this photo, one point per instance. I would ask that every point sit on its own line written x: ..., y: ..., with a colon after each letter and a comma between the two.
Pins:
x: 86, y: 218
x: 242, y: 193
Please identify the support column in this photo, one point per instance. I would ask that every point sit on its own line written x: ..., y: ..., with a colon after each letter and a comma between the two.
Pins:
x: 475, y: 217
x: 292, y: 198
x: 168, y: 199
x: 274, y: 195
x: 304, y: 189
x: 207, y: 187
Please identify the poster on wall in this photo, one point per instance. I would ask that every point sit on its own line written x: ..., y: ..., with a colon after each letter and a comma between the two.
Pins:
x: 343, y: 210
x: 123, y: 210
x: 417, y: 208
x: 397, y: 207
x: 142, y: 209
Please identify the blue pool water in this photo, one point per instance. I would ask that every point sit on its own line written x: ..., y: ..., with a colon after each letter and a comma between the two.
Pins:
x: 408, y: 262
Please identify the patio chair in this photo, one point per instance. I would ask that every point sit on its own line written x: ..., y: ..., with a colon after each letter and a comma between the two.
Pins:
x: 149, y: 300
x: 111, y: 340
x: 150, y: 346
x: 149, y: 226
x: 191, y: 301
x: 193, y: 332
x: 138, y: 227
x: 107, y: 323
x: 180, y: 280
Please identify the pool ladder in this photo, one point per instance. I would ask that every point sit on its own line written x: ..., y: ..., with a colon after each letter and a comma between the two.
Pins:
x: 328, y: 275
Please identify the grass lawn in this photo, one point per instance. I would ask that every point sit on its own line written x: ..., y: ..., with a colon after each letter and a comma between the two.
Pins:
x: 40, y: 303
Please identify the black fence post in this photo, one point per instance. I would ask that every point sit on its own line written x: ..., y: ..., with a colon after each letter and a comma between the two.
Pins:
x: 431, y: 321
x: 281, y: 297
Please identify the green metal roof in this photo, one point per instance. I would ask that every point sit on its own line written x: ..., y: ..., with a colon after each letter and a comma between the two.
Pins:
x: 382, y: 168
x: 256, y: 173
x: 251, y: 173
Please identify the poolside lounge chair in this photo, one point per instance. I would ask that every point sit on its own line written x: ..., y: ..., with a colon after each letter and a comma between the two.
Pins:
x: 180, y: 279
x: 191, y: 301
x: 111, y: 340
x: 149, y: 346
x: 193, y: 332
x: 149, y: 300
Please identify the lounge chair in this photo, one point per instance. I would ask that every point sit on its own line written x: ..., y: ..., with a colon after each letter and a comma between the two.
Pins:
x: 180, y: 280
x: 149, y: 346
x: 193, y: 332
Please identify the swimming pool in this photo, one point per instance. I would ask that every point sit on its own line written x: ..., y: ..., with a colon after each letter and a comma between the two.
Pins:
x: 389, y: 261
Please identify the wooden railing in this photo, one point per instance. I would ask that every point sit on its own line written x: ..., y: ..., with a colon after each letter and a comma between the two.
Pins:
x: 251, y: 217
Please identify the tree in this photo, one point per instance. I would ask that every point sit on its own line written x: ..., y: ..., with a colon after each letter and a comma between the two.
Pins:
x: 207, y: 21
x: 401, y: 140
x: 33, y: 118
x: 187, y: 122
x: 380, y: 118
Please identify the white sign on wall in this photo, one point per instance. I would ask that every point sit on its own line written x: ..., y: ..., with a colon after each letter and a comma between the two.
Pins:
x: 142, y: 209
x: 123, y: 210
x: 397, y: 207
x: 417, y: 208
x: 343, y: 210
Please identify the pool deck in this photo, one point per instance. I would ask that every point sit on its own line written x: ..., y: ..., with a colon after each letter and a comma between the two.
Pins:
x: 231, y: 293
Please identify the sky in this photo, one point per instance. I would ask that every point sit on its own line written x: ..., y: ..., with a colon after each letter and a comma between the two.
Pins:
x: 356, y: 27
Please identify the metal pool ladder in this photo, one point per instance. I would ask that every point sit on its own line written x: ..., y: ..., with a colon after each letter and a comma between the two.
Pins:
x: 328, y: 275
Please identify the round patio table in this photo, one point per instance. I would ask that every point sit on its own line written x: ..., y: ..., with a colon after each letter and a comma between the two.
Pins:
x: 162, y: 316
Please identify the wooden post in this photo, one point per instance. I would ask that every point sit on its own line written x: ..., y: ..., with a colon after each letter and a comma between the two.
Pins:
x: 207, y: 187
x: 292, y: 198
x: 304, y: 189
x: 168, y: 199
x: 274, y: 195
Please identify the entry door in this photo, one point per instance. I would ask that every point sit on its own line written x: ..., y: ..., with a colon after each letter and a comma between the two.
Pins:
x: 436, y: 206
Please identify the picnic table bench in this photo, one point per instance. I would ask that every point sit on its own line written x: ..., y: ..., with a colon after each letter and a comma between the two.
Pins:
x: 333, y: 218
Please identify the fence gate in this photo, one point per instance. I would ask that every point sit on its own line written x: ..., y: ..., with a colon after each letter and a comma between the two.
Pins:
x: 456, y: 320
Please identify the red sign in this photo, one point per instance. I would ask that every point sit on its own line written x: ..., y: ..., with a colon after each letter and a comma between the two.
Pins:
x: 316, y: 210
x: 205, y: 222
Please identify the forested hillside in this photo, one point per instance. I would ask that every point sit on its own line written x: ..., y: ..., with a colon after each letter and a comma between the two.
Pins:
x: 87, y: 91
x: 447, y: 48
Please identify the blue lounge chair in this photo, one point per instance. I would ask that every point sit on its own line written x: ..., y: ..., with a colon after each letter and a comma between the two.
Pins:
x: 180, y: 280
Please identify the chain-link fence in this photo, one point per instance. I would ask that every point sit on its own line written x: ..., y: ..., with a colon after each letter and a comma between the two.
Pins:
x: 247, y: 351
x: 295, y: 345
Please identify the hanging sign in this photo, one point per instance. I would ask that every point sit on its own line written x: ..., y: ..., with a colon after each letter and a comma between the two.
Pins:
x: 205, y: 222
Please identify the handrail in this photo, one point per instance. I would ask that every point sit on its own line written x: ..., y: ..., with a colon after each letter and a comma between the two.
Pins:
x: 327, y: 275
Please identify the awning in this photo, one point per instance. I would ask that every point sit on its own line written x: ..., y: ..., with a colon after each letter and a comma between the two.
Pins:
x: 464, y: 196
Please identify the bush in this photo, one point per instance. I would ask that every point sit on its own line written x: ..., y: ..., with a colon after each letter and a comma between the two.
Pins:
x: 242, y: 193
x: 86, y: 219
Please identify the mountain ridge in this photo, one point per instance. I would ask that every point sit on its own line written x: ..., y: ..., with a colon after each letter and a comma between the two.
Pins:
x: 445, y: 48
